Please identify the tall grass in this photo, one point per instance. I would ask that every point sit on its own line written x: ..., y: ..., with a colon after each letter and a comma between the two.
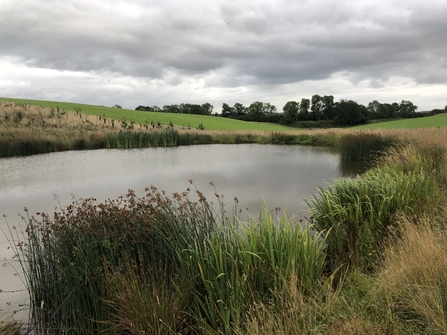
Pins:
x: 413, y: 280
x: 358, y: 213
x: 132, y: 139
x: 365, y: 146
x: 67, y: 254
x: 246, y: 263
x: 160, y: 264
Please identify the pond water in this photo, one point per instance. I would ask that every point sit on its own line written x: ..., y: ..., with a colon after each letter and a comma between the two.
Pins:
x: 282, y: 176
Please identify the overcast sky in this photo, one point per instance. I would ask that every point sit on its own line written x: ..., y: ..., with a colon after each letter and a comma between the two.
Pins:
x: 159, y: 52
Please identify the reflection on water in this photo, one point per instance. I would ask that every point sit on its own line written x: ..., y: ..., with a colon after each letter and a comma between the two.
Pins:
x: 353, y: 168
x: 282, y: 176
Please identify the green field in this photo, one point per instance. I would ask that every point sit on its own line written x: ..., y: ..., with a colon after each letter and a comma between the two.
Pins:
x: 185, y: 120
x: 421, y: 122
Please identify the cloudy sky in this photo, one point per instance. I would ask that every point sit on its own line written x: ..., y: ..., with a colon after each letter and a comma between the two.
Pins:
x: 157, y: 52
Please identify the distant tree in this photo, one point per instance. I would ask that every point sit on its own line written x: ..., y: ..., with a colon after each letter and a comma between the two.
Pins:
x: 207, y: 108
x: 291, y: 109
x: 350, y: 113
x: 317, y: 107
x: 260, y: 111
x: 255, y: 111
x: 171, y: 108
x: 228, y: 111
x: 407, y: 109
x: 304, y: 109
x: 240, y: 109
x: 376, y: 110
x: 328, y: 109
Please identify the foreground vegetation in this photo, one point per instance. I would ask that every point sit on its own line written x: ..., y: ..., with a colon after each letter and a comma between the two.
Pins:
x: 371, y: 257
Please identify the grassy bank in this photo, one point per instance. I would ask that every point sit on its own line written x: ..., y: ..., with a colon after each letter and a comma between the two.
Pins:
x: 371, y: 260
x: 27, y: 130
x: 423, y: 122
x: 184, y: 121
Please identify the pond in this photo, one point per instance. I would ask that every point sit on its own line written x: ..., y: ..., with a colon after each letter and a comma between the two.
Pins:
x: 282, y: 176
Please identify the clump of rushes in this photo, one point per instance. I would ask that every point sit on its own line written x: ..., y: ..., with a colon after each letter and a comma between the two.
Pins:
x: 365, y: 146
x: 66, y: 255
x: 159, y: 264
x: 244, y: 263
x: 134, y: 139
x: 147, y: 301
x: 10, y: 328
x: 358, y: 213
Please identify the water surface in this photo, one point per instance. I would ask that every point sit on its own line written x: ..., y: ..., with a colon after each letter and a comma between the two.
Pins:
x: 282, y: 176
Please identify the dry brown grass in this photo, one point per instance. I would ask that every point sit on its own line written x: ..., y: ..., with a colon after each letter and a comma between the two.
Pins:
x: 48, y: 118
x: 413, y: 278
x: 292, y: 312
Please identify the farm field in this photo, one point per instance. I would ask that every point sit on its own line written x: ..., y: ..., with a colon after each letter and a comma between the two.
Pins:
x: 209, y: 122
x: 422, y: 122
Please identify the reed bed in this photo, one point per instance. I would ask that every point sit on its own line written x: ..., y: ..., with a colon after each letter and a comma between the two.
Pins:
x: 244, y: 264
x: 66, y: 257
x: 133, y: 139
x: 172, y: 265
x: 358, y: 213
x: 159, y: 264
x: 365, y: 146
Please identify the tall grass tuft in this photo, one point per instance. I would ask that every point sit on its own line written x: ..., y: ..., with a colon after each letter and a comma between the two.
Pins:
x: 246, y: 263
x: 66, y: 255
x: 358, y: 213
x: 413, y: 280
x: 365, y: 146
x: 135, y: 139
x: 147, y: 301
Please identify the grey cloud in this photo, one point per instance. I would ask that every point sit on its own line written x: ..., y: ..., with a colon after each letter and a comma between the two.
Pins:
x: 230, y: 44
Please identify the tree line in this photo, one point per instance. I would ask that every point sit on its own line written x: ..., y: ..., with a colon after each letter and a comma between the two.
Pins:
x: 319, y: 111
x: 204, y: 109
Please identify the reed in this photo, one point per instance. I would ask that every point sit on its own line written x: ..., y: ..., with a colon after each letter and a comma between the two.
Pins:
x: 147, y: 301
x: 160, y: 264
x: 10, y: 328
x: 136, y: 139
x: 357, y: 213
x: 245, y: 263
x: 65, y: 255
x: 365, y: 146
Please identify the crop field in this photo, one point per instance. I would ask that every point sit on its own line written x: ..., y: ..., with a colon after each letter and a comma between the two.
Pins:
x: 421, y: 122
x: 209, y: 122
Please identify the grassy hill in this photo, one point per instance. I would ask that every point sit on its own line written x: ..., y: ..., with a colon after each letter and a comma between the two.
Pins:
x: 422, y: 122
x: 182, y: 120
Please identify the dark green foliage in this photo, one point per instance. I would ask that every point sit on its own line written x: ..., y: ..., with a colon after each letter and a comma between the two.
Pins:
x: 357, y: 214
x: 194, y: 138
x: 365, y: 146
x: 134, y: 139
x: 68, y: 255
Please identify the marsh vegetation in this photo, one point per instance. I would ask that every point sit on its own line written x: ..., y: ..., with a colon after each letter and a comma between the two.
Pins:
x: 369, y: 258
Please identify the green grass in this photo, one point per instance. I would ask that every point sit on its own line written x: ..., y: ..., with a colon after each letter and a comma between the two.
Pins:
x: 184, y: 120
x: 421, y: 122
